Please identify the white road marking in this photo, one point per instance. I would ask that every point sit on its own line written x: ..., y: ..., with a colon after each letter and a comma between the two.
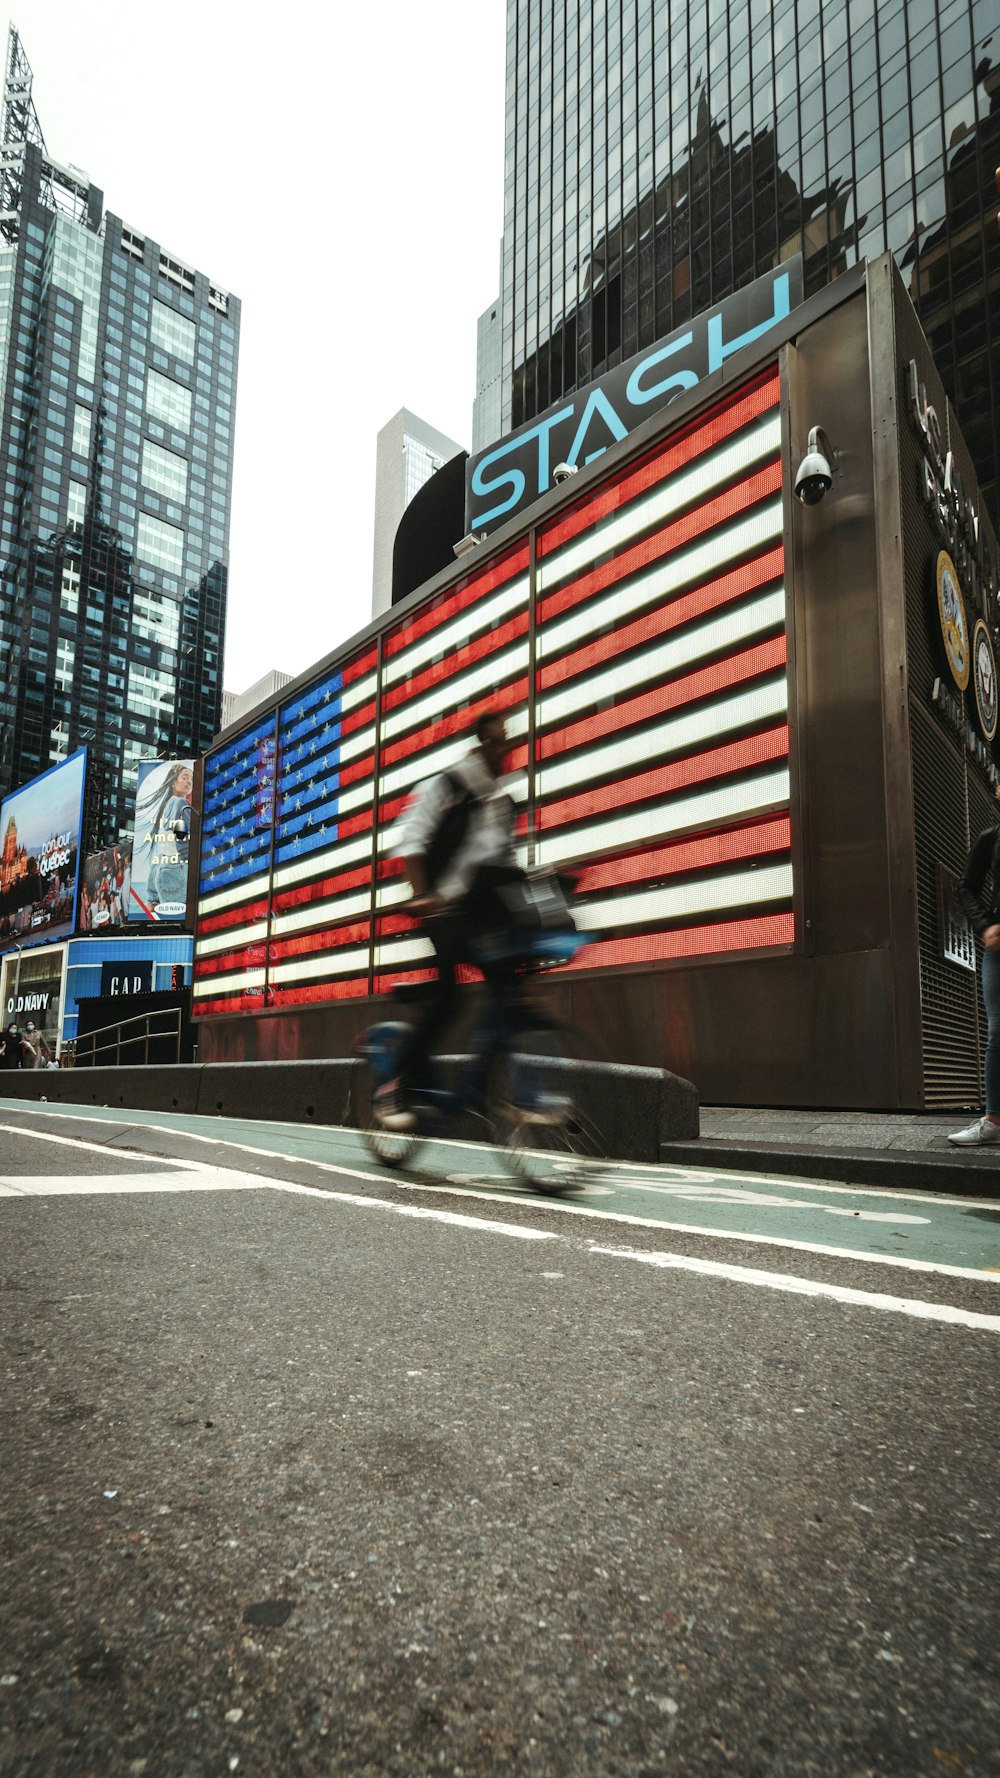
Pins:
x: 553, y: 1205
x: 199, y: 1176
x: 840, y: 1293
x: 717, y: 1193
x: 210, y: 1179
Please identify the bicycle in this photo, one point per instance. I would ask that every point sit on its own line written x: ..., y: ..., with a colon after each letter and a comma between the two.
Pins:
x: 518, y: 1084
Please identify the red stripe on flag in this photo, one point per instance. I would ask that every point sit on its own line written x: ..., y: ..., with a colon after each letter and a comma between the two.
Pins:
x: 456, y: 662
x: 398, y: 978
x: 682, y: 610
x: 441, y: 609
x: 430, y: 734
x: 699, y: 438
x: 738, y: 669
x: 693, y: 941
x: 356, y: 669
x: 236, y: 1003
x: 694, y: 524
x: 308, y: 994
x: 285, y: 899
x: 228, y: 962
x: 331, y: 939
x: 355, y: 770
x: 719, y: 762
x: 234, y: 916
x: 352, y: 720
x: 703, y: 853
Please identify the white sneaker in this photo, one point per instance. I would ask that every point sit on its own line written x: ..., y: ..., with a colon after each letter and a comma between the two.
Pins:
x: 977, y: 1134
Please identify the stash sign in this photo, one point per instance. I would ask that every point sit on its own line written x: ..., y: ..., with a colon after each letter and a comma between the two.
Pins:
x: 515, y: 472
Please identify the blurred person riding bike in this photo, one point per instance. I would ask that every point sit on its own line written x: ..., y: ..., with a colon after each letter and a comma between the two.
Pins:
x: 456, y: 842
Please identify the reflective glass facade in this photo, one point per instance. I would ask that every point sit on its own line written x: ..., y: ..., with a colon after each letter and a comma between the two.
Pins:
x: 118, y: 381
x: 660, y: 156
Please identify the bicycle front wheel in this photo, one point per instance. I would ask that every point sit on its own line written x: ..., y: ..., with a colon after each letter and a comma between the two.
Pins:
x: 391, y: 1148
x: 548, y: 1141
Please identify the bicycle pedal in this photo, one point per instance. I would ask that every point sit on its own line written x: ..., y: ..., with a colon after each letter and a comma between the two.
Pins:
x: 554, y: 1114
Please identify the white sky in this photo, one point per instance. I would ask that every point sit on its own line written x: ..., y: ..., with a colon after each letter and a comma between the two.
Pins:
x: 340, y: 169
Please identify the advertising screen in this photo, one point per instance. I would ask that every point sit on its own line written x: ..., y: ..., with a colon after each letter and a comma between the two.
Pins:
x: 40, y: 827
x: 638, y: 653
x: 161, y: 842
x: 104, y: 889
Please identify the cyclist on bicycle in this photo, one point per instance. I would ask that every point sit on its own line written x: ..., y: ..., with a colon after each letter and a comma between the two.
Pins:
x: 456, y: 841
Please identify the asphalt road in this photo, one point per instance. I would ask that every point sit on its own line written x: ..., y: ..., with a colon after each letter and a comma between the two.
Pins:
x: 308, y: 1471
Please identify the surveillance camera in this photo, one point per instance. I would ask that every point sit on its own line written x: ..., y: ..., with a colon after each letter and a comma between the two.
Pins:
x: 815, y: 476
x: 813, y: 480
x: 563, y: 471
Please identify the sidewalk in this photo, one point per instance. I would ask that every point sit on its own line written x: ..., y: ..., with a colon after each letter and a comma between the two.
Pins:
x: 904, y: 1150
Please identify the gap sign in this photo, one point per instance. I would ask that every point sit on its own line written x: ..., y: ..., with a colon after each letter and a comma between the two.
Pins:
x: 513, y: 473
x: 127, y: 978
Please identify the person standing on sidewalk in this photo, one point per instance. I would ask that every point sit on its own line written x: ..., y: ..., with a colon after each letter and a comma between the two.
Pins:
x: 979, y: 892
x: 35, y: 1050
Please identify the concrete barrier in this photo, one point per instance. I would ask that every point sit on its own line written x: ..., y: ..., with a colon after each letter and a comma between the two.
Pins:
x: 632, y: 1111
x: 281, y: 1092
x: 170, y: 1087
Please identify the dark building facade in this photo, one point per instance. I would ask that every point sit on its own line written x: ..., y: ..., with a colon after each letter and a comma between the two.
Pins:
x: 659, y: 157
x: 117, y: 390
x: 758, y: 731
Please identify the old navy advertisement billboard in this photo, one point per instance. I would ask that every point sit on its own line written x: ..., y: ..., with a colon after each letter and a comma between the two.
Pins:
x: 104, y: 888
x: 162, y: 841
x: 508, y: 477
x: 40, y: 827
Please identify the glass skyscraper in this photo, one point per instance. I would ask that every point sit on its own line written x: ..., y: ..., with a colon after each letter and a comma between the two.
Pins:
x: 117, y: 390
x: 660, y: 156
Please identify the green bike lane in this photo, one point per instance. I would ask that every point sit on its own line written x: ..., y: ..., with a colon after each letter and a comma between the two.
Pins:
x: 909, y: 1230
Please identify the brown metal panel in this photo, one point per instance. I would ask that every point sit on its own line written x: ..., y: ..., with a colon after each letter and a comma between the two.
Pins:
x: 884, y: 356
x: 835, y: 599
x: 951, y: 793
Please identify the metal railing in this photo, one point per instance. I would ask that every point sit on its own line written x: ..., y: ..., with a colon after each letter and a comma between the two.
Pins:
x: 88, y: 1048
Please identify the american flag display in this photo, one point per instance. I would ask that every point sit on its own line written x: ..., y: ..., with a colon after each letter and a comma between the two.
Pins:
x: 639, y: 655
x: 661, y: 696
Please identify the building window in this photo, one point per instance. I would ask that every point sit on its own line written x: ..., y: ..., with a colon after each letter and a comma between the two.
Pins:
x: 81, y: 431
x: 150, y: 693
x: 70, y: 587
x: 168, y: 401
x: 172, y: 332
x: 161, y: 544
x: 76, y: 506
x: 155, y: 618
x: 163, y: 471
x: 181, y: 275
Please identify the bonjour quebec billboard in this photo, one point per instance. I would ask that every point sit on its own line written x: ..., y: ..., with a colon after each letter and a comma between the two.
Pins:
x: 660, y: 738
x: 40, y: 827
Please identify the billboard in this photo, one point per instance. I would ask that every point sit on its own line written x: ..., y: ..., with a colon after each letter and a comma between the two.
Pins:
x: 40, y: 827
x: 104, y: 889
x: 639, y: 655
x: 161, y: 842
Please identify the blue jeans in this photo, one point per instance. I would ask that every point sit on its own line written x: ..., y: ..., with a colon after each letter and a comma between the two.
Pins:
x: 991, y: 1001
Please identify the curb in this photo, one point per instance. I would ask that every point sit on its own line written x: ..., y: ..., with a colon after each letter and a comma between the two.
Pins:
x: 974, y: 1175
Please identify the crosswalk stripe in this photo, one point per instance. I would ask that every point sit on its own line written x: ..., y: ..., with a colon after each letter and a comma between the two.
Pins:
x: 215, y: 1179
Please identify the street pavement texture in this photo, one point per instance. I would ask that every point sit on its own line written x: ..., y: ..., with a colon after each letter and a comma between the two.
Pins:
x: 312, y: 1470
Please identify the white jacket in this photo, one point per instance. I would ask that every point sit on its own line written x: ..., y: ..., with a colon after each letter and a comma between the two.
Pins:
x: 488, y: 838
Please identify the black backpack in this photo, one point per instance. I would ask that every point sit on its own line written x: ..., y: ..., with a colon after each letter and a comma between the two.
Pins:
x: 450, y: 831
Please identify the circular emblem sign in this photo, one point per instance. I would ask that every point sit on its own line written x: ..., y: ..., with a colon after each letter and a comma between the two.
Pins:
x: 954, y: 623
x: 984, y: 678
